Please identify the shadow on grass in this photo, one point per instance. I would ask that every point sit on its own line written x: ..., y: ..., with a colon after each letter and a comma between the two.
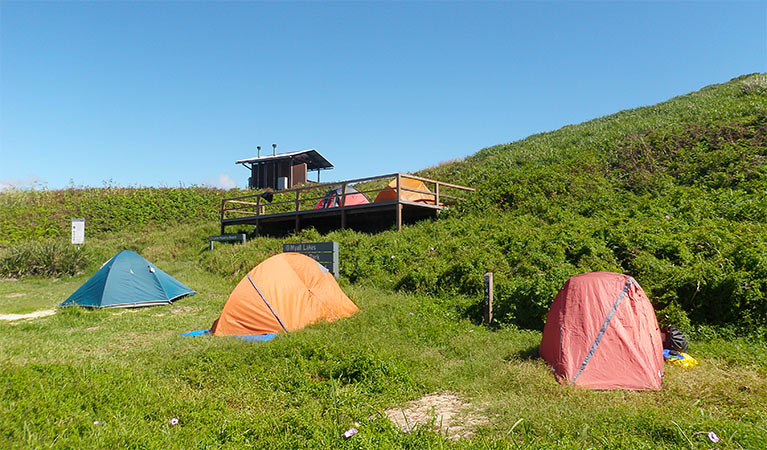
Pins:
x: 526, y: 354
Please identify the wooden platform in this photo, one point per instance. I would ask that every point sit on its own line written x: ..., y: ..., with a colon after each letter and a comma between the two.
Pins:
x: 292, y: 210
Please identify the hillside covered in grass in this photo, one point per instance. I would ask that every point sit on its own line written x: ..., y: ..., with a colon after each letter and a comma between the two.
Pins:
x: 673, y: 194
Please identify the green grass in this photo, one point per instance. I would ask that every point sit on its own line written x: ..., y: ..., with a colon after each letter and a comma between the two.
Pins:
x: 35, y: 294
x: 131, y: 370
x: 672, y: 194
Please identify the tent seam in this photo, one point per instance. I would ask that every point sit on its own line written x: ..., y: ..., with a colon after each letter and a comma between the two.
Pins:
x: 324, y: 304
x: 153, y: 270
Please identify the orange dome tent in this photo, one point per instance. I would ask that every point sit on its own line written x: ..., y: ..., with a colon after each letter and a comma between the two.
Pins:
x: 284, y: 293
x: 389, y: 193
x: 601, y: 333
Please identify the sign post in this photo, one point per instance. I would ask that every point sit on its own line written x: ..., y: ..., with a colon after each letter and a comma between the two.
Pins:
x: 78, y: 231
x: 488, y: 298
x: 325, y: 253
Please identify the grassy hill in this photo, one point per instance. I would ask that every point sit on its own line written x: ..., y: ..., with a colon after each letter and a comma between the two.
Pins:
x: 672, y: 194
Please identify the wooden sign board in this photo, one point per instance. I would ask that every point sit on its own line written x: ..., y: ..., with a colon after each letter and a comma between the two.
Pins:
x: 325, y: 253
x: 237, y: 237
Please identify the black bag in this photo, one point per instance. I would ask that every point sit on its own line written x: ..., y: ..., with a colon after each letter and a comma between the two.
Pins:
x: 673, y: 339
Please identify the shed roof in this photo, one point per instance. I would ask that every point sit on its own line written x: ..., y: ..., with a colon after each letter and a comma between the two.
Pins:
x: 311, y: 157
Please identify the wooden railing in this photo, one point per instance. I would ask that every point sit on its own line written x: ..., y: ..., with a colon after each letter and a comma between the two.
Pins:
x: 306, y: 197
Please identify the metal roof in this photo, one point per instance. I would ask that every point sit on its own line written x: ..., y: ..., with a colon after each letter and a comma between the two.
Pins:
x: 311, y: 157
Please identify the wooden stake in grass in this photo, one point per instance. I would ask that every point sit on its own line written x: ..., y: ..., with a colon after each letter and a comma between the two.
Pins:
x: 488, y: 298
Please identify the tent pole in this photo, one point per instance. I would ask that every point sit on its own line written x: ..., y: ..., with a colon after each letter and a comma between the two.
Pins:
x: 267, y: 303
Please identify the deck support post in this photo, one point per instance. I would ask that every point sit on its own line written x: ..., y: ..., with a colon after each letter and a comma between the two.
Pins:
x: 399, y: 205
x: 343, y: 206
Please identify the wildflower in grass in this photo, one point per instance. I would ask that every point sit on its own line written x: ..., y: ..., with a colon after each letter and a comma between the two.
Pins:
x: 350, y: 432
x: 97, y: 422
x: 471, y: 331
x: 713, y: 437
x: 412, y: 314
x: 174, y: 421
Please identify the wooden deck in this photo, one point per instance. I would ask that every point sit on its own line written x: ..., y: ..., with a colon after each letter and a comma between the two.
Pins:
x: 293, y: 209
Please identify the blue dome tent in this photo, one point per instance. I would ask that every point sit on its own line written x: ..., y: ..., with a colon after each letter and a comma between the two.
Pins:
x: 125, y: 281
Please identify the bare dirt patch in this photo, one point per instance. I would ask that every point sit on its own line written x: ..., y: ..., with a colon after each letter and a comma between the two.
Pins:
x: 445, y: 411
x: 14, y: 295
x: 33, y: 315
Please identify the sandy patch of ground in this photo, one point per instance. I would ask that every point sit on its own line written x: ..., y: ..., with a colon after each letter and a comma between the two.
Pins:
x: 33, y: 315
x: 449, y: 415
x: 14, y: 295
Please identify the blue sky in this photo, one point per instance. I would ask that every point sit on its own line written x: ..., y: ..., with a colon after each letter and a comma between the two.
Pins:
x: 162, y: 93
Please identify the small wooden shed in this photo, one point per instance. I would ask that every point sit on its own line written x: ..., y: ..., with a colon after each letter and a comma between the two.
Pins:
x: 284, y: 170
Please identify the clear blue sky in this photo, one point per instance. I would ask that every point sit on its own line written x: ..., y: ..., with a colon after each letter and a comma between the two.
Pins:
x: 162, y: 93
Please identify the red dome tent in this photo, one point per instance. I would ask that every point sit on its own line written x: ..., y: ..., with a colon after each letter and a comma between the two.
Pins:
x: 601, y: 333
x: 335, y: 198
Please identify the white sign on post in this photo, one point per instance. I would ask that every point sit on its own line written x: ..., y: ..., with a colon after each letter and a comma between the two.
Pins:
x: 78, y: 231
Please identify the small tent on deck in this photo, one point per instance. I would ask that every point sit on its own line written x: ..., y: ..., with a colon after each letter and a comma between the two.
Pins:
x: 127, y: 280
x: 409, y: 185
x: 601, y: 333
x: 284, y: 293
x: 335, y: 198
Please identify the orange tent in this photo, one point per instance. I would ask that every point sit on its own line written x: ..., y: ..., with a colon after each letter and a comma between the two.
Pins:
x: 284, y: 293
x: 389, y: 193
x: 601, y: 333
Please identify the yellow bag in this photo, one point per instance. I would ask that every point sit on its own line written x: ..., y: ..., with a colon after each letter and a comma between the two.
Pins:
x: 686, y: 361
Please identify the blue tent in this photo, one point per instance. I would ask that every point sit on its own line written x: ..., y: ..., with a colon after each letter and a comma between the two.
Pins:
x: 125, y: 281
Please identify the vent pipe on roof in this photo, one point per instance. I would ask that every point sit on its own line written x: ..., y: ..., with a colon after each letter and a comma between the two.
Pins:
x: 258, y: 147
x: 274, y: 149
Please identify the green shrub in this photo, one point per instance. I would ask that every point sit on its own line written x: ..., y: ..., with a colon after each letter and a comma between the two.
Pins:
x: 672, y: 194
x: 36, y: 215
x: 47, y: 258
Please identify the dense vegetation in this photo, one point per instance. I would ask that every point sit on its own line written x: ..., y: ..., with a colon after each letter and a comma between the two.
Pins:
x: 672, y: 194
x: 117, y: 378
x: 41, y: 214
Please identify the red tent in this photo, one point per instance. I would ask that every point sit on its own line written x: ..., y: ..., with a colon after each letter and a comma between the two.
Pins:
x: 333, y: 198
x: 601, y: 333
